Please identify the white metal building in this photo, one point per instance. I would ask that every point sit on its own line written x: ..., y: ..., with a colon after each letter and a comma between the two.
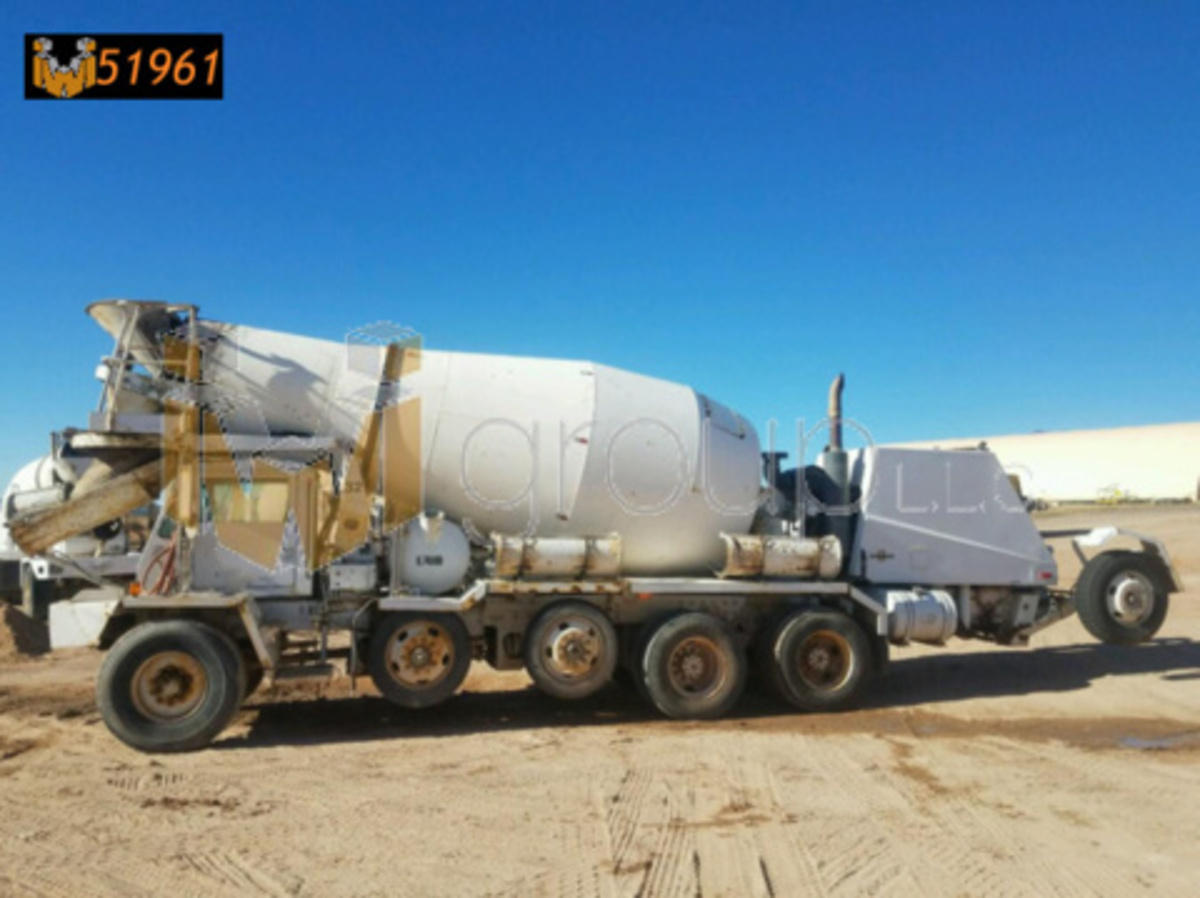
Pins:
x: 1155, y: 462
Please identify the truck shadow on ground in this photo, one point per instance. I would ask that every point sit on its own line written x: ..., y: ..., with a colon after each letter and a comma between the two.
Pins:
x: 295, y: 718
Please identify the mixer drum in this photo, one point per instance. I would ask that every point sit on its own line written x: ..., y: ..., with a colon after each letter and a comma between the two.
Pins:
x: 516, y: 445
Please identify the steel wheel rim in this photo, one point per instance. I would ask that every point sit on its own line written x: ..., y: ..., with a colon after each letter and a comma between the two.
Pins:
x: 1130, y: 598
x: 696, y: 666
x: 168, y: 686
x: 420, y: 654
x: 825, y: 660
x: 572, y: 647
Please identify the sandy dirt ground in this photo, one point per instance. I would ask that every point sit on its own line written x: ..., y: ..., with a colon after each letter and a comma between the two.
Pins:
x: 1066, y: 768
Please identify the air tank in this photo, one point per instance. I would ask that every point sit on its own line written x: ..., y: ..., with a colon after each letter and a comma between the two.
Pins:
x: 530, y: 447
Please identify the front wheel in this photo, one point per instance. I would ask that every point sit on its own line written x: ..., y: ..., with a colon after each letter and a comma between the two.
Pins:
x: 1121, y: 597
x: 170, y: 685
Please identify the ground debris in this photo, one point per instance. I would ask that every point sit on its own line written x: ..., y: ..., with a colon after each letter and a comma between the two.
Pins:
x: 20, y: 635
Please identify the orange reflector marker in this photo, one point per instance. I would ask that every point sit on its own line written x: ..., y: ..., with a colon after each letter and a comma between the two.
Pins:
x: 135, y: 588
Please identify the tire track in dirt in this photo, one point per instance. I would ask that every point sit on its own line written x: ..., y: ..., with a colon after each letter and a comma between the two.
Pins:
x: 785, y: 872
x: 68, y: 846
x: 1078, y: 776
x: 672, y: 870
x: 59, y: 870
x: 582, y: 875
x: 236, y: 871
x: 728, y: 813
x: 999, y: 855
x: 1045, y: 850
x: 624, y: 814
x: 881, y: 846
x: 636, y: 852
x: 982, y: 862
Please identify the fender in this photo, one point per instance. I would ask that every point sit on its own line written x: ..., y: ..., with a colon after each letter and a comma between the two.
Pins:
x: 1101, y: 536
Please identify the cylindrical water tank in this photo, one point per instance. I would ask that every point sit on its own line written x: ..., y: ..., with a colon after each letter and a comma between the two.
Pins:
x: 42, y: 483
x: 532, y: 446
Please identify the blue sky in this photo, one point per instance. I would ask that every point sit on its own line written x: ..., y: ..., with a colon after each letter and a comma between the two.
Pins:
x: 987, y: 215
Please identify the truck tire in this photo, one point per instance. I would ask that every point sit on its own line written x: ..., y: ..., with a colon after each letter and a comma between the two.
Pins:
x: 692, y: 667
x: 571, y: 649
x: 819, y: 660
x: 1122, y: 597
x: 627, y: 646
x: 633, y: 639
x: 170, y: 685
x: 762, y: 656
x: 417, y: 660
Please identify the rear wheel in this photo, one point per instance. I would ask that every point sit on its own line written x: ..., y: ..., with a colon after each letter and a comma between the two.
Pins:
x: 692, y: 668
x: 633, y: 649
x: 762, y: 656
x: 417, y: 660
x: 1121, y: 597
x: 818, y: 660
x: 571, y: 649
x: 170, y: 685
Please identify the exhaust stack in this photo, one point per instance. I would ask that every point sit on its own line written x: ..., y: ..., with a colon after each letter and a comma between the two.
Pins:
x: 836, y: 465
x: 835, y: 412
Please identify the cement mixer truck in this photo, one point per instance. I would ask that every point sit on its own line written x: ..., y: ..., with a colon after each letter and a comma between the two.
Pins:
x: 398, y: 511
